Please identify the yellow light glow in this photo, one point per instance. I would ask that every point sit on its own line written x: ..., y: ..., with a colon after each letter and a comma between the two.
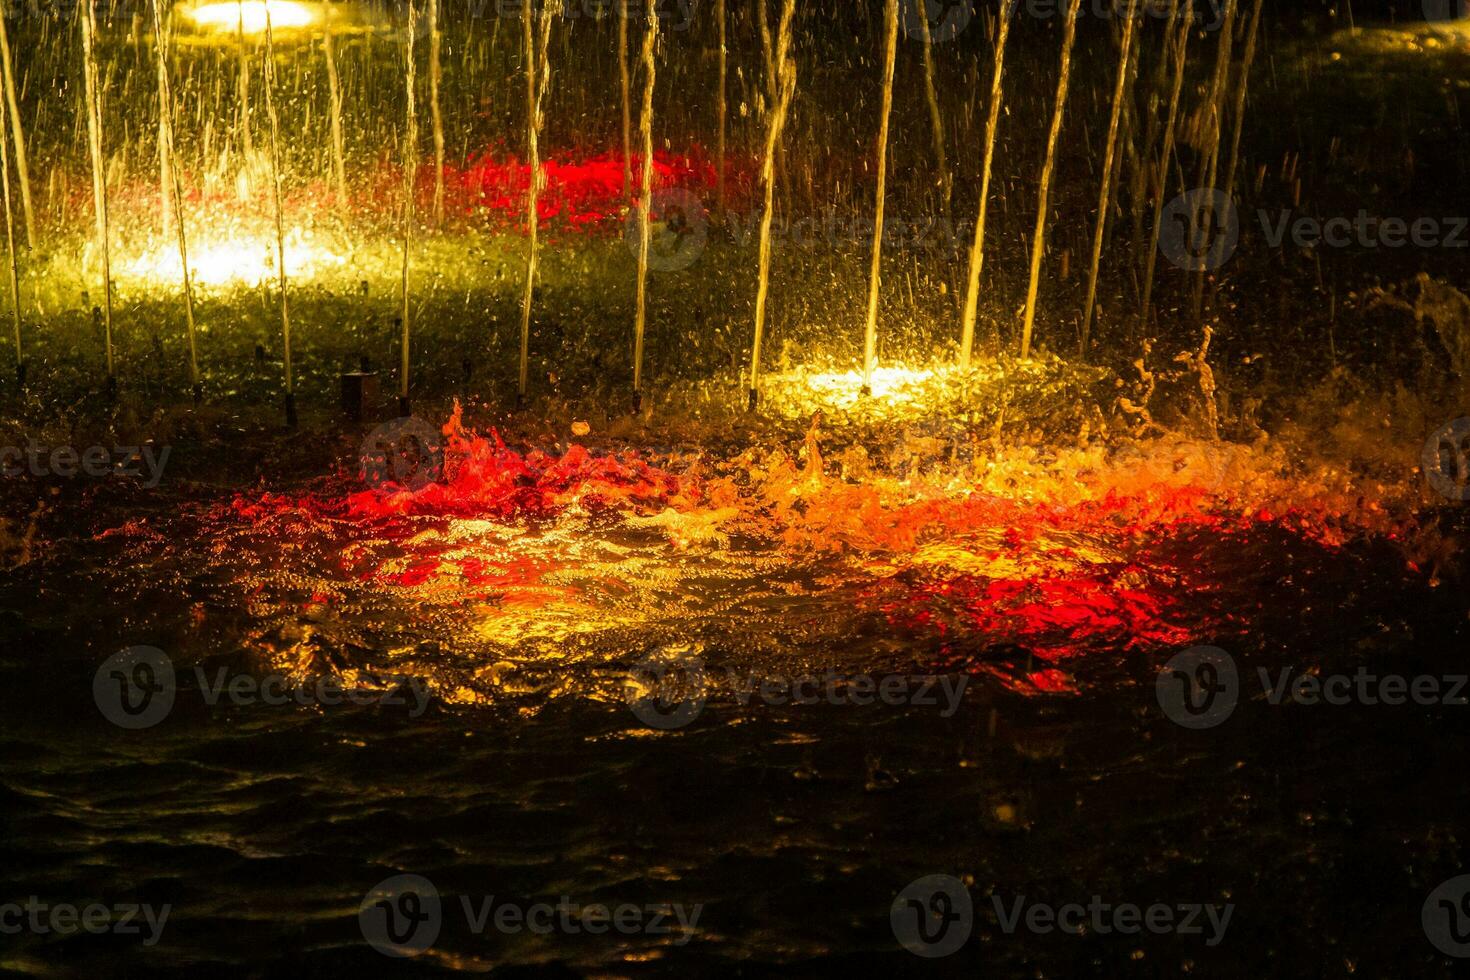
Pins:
x: 249, y: 16
x: 896, y: 392
x: 240, y: 261
x: 893, y: 383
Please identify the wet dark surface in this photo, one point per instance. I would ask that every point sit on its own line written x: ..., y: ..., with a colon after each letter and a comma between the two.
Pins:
x: 529, y: 777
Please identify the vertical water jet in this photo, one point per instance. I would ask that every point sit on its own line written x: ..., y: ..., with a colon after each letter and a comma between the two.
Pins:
x: 936, y: 119
x: 626, y: 80
x: 538, y: 77
x: 22, y: 164
x: 1211, y: 163
x: 1125, y: 59
x: 436, y: 43
x: 1248, y: 59
x: 890, y: 52
x: 247, y: 138
x: 977, y: 249
x: 1038, y: 238
x: 269, y: 84
x: 645, y: 198
x: 171, y: 181
x: 720, y: 114
x: 95, y: 144
x: 10, y: 254
x: 1181, y: 59
x: 165, y: 137
x: 768, y: 187
x: 410, y: 172
x: 339, y: 153
x: 1151, y: 131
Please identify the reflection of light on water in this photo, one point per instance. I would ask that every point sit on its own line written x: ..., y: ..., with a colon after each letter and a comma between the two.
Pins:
x: 894, y: 391
x: 245, y: 260
x: 232, y: 16
x: 905, y: 393
x: 892, y: 383
x: 1433, y: 39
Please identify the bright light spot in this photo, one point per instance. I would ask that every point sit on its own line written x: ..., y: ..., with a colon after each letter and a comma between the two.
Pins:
x: 241, y: 261
x: 889, y: 383
x: 896, y: 392
x: 249, y: 15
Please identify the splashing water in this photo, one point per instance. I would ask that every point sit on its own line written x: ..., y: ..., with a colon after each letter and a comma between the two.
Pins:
x: 517, y: 565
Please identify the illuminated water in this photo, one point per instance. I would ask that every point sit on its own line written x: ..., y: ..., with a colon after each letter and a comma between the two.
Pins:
x: 1020, y: 530
x: 524, y: 595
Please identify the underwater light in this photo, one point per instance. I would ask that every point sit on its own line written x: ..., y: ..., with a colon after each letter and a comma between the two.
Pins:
x: 249, y: 16
x: 244, y: 260
x: 892, y: 383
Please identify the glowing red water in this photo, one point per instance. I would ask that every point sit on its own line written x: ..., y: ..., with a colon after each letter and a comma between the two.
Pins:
x: 483, y: 478
x: 972, y: 571
x: 583, y: 192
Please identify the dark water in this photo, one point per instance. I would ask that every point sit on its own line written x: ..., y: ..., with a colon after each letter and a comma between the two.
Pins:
x: 789, y: 827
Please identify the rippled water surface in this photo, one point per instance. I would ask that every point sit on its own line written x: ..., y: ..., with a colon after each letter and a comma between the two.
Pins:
x: 528, y: 599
